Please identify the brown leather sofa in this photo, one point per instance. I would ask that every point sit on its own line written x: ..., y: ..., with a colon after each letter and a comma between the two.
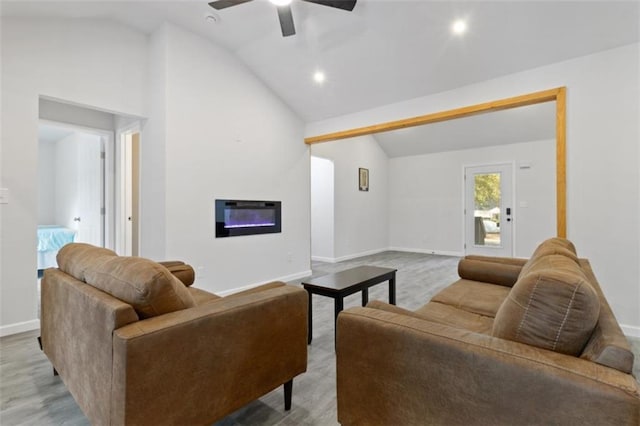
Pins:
x: 135, y: 345
x: 511, y: 342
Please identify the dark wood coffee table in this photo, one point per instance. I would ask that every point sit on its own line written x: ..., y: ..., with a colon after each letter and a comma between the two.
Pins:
x: 343, y: 283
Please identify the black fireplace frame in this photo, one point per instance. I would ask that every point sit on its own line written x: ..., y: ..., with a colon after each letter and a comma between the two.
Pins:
x: 224, y: 230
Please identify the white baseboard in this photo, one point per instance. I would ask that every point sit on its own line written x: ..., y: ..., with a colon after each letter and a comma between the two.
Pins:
x: 19, y: 327
x: 349, y: 256
x: 428, y: 251
x: 631, y: 330
x: 323, y: 259
x: 285, y: 278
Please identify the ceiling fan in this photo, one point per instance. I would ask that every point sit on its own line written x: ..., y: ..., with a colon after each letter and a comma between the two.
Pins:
x: 284, y: 10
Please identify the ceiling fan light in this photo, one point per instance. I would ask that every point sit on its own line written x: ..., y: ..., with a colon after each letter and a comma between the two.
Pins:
x: 281, y: 2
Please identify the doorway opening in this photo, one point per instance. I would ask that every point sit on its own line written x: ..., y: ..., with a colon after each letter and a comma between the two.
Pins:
x: 73, y: 188
x: 322, y: 209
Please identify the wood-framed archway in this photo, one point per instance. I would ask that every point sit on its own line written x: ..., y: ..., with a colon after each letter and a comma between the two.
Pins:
x: 557, y: 95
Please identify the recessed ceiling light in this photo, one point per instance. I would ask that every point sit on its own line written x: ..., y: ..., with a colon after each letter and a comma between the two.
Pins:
x: 459, y: 27
x: 319, y: 77
x: 281, y: 2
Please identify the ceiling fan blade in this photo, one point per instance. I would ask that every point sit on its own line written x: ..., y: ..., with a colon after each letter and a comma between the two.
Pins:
x: 340, y: 4
x: 223, y: 4
x: 286, y: 21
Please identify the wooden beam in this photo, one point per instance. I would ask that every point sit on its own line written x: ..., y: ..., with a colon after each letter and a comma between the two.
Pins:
x: 499, y: 105
x: 558, y: 95
x: 561, y: 162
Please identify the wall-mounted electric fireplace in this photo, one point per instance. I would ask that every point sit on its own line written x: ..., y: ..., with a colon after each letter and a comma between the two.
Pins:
x: 247, y: 217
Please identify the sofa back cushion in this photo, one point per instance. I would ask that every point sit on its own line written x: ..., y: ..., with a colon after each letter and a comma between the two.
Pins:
x: 556, y: 245
x: 146, y: 285
x: 553, y: 307
x: 76, y: 258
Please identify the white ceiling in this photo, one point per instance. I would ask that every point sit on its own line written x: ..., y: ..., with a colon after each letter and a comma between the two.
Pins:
x: 385, y: 51
x: 524, y: 124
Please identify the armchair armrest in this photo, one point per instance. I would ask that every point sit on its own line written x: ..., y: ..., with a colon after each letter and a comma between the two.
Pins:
x: 208, y: 360
x: 418, y: 372
x: 180, y: 270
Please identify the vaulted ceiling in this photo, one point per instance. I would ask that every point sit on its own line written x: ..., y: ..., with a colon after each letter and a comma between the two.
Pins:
x: 382, y: 52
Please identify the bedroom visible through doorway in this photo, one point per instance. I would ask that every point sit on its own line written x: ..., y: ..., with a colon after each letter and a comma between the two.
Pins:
x: 72, y: 205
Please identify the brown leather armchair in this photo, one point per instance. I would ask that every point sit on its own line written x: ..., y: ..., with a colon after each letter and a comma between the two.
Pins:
x: 134, y: 345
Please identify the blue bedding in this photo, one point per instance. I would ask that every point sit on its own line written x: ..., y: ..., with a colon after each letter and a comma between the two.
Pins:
x: 53, y: 237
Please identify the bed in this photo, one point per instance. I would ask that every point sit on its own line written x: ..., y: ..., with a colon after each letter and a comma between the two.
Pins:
x: 51, y: 238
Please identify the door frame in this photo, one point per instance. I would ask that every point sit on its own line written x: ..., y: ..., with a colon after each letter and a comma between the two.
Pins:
x: 124, y: 183
x: 512, y: 166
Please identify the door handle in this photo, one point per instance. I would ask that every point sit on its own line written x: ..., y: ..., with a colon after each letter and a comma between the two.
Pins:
x: 76, y: 219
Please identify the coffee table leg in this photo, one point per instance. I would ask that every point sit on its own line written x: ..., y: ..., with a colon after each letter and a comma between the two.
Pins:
x: 338, y: 307
x: 309, y: 321
x: 392, y: 290
x: 365, y: 296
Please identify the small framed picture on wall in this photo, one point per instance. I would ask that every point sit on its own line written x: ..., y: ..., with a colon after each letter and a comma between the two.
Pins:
x: 363, y: 179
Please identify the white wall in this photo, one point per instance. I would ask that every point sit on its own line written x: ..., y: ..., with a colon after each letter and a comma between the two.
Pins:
x: 426, y: 197
x: 322, y: 209
x: 89, y: 62
x: 361, y: 217
x: 227, y: 136
x: 46, y: 183
x: 153, y: 156
x: 214, y: 131
x: 603, y: 182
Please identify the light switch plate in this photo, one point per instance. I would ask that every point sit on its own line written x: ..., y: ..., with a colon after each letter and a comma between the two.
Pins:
x: 4, y: 195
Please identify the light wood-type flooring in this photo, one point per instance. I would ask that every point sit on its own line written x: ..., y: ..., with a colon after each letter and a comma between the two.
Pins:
x: 31, y: 395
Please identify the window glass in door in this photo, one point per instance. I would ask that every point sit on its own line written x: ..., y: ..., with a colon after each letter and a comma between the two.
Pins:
x: 488, y: 211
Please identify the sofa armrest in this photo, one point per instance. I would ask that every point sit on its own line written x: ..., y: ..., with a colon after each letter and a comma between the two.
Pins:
x: 257, y: 289
x: 208, y: 360
x: 515, y: 261
x: 416, y: 371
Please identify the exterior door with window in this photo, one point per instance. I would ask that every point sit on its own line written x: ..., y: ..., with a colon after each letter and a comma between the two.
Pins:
x: 489, y: 210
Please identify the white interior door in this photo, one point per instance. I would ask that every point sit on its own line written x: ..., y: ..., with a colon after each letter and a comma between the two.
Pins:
x: 489, y: 210
x: 79, y: 186
x: 90, y: 190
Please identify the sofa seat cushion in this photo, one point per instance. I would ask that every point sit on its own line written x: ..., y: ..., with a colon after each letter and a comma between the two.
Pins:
x: 553, y: 307
x: 450, y: 315
x: 473, y: 296
x: 146, y: 285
